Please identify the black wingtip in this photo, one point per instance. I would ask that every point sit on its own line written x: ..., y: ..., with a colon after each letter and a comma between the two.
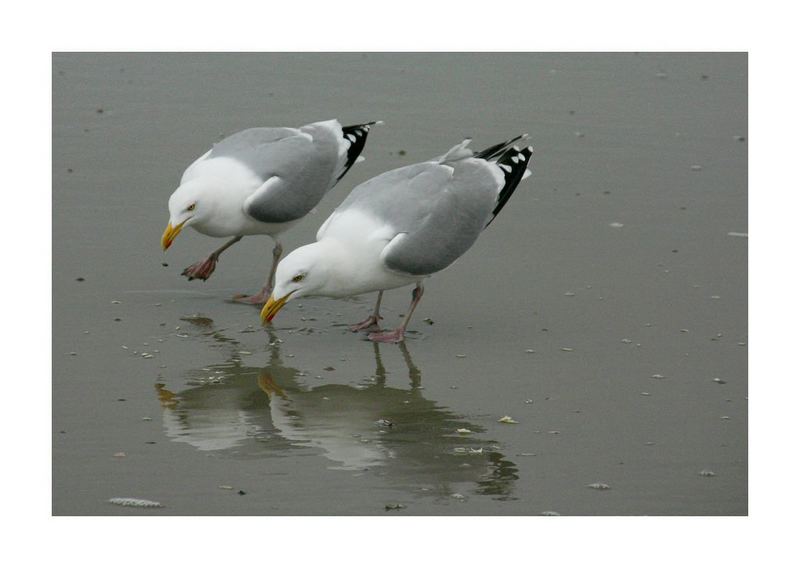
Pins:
x: 514, y: 162
x: 497, y: 149
x: 357, y: 136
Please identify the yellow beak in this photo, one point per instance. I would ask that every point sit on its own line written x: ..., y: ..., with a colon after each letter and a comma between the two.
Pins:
x: 272, y: 307
x: 169, y: 234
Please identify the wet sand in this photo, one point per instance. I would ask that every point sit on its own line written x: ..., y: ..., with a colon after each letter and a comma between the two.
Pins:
x: 605, y: 310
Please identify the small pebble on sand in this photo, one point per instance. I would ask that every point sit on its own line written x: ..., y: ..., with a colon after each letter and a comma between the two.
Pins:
x: 132, y: 502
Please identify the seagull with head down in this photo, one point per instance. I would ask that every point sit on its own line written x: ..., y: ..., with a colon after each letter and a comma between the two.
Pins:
x: 260, y: 181
x: 401, y: 227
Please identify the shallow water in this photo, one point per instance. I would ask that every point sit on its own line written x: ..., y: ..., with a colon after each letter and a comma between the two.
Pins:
x: 611, y: 265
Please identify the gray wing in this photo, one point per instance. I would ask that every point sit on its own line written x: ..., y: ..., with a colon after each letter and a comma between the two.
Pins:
x: 436, y: 210
x: 297, y: 166
x: 257, y: 148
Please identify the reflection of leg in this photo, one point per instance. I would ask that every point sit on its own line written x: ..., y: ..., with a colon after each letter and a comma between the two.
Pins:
x: 371, y: 321
x: 398, y: 334
x: 263, y: 295
x: 413, y: 372
x: 380, y: 370
x: 205, y: 268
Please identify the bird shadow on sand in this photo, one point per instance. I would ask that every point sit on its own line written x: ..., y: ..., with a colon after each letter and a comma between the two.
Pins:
x: 369, y: 428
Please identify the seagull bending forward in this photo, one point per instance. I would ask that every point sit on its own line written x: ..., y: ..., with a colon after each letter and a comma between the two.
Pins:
x: 260, y: 181
x: 400, y: 227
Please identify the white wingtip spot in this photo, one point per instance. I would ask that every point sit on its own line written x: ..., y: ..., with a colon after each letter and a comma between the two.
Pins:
x: 379, y: 122
x: 505, y: 167
x: 522, y: 157
x: 351, y: 138
x: 515, y: 159
x: 360, y: 159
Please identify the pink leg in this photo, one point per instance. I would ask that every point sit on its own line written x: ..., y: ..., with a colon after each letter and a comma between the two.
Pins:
x: 203, y: 269
x: 262, y: 296
x: 372, y: 320
x: 398, y: 334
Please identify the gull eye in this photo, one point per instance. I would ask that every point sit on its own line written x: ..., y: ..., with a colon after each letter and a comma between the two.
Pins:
x: 191, y: 207
x: 298, y: 278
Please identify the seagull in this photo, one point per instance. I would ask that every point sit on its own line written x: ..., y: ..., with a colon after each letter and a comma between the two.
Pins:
x: 401, y: 227
x: 260, y: 181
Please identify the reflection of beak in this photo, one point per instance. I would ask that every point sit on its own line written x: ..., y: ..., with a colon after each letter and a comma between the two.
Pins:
x: 167, y: 398
x: 170, y: 233
x: 269, y: 386
x: 273, y: 306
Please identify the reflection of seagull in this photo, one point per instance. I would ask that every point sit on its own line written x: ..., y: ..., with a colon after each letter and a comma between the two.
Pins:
x: 258, y: 412
x: 260, y: 181
x: 400, y: 227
